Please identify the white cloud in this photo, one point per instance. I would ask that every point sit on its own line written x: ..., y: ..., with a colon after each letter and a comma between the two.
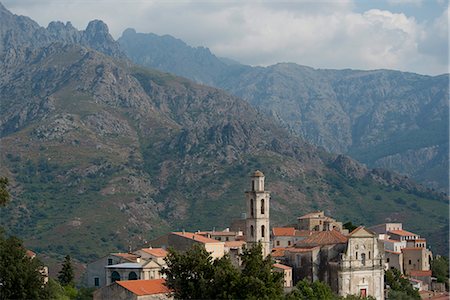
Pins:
x: 325, y: 34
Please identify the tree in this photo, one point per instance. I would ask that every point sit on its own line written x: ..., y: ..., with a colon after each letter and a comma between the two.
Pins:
x: 4, y: 194
x: 66, y: 275
x: 400, y: 288
x: 439, y: 267
x: 195, y: 275
x: 20, y: 276
x: 349, y: 225
x: 314, y: 291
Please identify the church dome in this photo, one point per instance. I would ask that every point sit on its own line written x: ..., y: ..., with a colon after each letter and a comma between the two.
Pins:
x: 258, y: 174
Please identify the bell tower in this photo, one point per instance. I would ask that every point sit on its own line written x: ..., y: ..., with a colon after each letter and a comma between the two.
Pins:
x: 257, y: 222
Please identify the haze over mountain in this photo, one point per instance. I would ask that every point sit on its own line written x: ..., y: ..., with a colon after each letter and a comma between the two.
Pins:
x: 384, y: 118
x: 103, y: 154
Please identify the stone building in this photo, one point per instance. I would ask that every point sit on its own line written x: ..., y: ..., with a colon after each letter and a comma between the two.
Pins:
x: 134, y: 290
x: 317, y: 221
x: 257, y: 222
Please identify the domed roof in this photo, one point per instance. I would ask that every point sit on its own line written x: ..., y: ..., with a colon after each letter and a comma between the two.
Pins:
x: 258, y: 173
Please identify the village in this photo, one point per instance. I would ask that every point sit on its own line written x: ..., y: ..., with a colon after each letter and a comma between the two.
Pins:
x: 316, y: 248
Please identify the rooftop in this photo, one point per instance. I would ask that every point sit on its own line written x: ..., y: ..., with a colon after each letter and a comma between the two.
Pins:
x: 234, y: 244
x: 402, y: 233
x: 125, y: 266
x: 157, y: 252
x: 283, y: 231
x: 145, y: 287
x: 195, y: 237
x: 324, y: 238
x: 128, y: 256
x: 258, y: 173
x: 277, y: 252
x: 300, y: 250
x: 281, y: 266
x: 314, y: 214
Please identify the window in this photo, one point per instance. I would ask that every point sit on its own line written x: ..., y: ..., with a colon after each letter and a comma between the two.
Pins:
x: 278, y: 243
x: 409, y: 262
x: 369, y: 254
x: 263, y: 230
x: 109, y: 261
x: 262, y: 206
x: 115, y: 276
x: 387, y: 260
x: 227, y: 239
x: 96, y: 281
x: 363, y: 259
x: 251, y: 231
x: 356, y: 254
x: 289, y: 243
x: 253, y: 185
x: 251, y: 208
x: 132, y: 276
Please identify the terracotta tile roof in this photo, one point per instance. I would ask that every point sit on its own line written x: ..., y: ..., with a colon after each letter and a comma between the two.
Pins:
x: 283, y: 231
x: 300, y: 250
x: 158, y: 252
x: 196, y: 237
x: 30, y: 254
x: 402, y: 233
x: 304, y: 232
x: 417, y: 273
x: 280, y: 266
x: 324, y: 238
x: 234, y: 244
x: 421, y: 240
x: 127, y: 256
x: 277, y: 252
x: 145, y: 287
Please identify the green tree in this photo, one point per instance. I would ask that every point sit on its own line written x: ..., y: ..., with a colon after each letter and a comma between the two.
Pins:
x: 4, y: 194
x: 311, y: 291
x: 400, y: 287
x: 439, y: 267
x: 349, y: 225
x: 20, y: 276
x: 195, y: 275
x: 258, y: 281
x: 66, y: 275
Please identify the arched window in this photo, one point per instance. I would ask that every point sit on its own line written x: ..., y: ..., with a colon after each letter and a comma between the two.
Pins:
x: 356, y: 254
x: 363, y: 259
x: 132, y: 276
x: 263, y: 230
x: 262, y: 206
x: 251, y: 231
x: 369, y: 255
x: 253, y: 185
x: 115, y: 276
x: 251, y: 208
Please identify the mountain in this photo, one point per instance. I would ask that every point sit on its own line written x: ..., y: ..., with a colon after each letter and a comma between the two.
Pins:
x: 104, y: 155
x: 384, y: 118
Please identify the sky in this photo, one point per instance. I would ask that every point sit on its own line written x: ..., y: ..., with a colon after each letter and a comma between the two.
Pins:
x: 406, y: 35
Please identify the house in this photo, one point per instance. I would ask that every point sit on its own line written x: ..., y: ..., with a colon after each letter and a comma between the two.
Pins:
x: 134, y: 290
x: 288, y: 236
x: 183, y: 241
x: 317, y: 221
x: 416, y: 259
x: 43, y: 270
x: 287, y: 274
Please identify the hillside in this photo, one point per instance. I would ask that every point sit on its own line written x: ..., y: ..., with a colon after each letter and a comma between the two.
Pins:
x: 103, y: 155
x: 383, y: 118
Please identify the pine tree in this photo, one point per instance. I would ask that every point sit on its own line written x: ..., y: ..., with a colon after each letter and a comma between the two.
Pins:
x: 66, y: 275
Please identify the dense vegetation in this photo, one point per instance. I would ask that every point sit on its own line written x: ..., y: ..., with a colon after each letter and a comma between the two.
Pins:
x: 399, y: 286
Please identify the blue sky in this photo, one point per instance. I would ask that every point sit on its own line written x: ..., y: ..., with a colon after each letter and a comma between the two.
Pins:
x: 406, y: 35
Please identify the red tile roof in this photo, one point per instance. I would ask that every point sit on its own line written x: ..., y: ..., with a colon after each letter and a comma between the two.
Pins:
x: 196, y: 237
x: 128, y: 256
x: 417, y: 273
x: 304, y: 232
x: 30, y: 254
x: 283, y: 231
x: 145, y: 287
x: 234, y: 244
x: 158, y: 252
x: 277, y: 252
x: 300, y: 250
x: 402, y: 233
x: 280, y: 266
x: 324, y: 238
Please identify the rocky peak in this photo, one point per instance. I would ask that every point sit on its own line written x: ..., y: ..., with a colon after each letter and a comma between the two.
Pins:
x: 96, y: 36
